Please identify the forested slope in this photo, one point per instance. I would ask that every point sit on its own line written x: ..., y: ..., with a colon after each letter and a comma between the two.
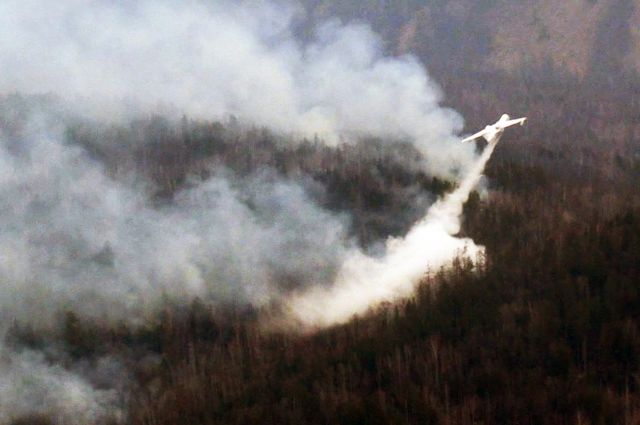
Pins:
x: 545, y: 332
x: 579, y: 39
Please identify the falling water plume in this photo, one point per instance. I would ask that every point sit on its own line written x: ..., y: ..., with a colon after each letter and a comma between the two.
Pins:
x: 364, y: 281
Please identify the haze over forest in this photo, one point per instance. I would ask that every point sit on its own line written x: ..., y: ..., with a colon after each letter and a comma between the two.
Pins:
x: 217, y: 212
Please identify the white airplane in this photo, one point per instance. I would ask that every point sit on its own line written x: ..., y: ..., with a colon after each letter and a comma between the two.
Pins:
x: 492, y: 133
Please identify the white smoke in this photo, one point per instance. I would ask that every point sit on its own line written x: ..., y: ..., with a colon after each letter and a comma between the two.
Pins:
x: 73, y: 238
x: 212, y: 60
x: 365, y: 281
x: 31, y: 387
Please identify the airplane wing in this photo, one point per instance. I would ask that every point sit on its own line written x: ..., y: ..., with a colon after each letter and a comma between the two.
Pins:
x: 512, y: 122
x: 475, y: 136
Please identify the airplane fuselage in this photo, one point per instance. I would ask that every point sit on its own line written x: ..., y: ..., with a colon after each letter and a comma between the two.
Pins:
x: 493, y: 133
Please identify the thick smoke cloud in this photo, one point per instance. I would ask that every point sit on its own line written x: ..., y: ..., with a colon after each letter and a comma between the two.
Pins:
x: 114, y: 58
x: 74, y: 238
x: 30, y: 386
x: 78, y: 239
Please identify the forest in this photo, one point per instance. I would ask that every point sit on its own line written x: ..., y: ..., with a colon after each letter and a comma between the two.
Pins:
x: 546, y: 331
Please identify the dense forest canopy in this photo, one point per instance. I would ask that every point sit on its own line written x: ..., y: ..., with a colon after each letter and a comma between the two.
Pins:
x: 545, y: 330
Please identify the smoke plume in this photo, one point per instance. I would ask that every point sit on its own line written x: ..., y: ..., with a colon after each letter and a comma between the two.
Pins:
x: 79, y: 239
x: 32, y: 387
x: 365, y: 281
x: 113, y: 58
x: 74, y: 238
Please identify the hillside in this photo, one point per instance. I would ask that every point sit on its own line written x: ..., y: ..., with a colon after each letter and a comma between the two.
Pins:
x: 149, y: 252
x: 546, y: 332
x: 578, y: 38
